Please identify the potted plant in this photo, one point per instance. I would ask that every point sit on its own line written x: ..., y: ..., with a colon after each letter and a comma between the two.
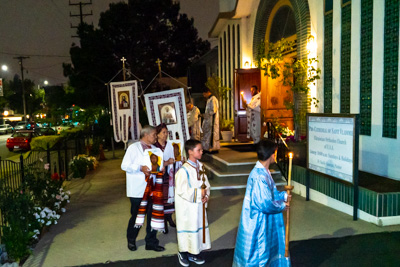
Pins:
x: 226, y: 129
x: 298, y: 73
x: 79, y: 166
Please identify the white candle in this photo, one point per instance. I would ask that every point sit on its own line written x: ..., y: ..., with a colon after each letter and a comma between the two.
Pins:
x: 290, y: 168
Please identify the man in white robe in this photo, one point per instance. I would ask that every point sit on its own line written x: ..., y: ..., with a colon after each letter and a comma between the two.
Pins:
x: 210, y: 140
x: 189, y: 199
x: 253, y: 110
x: 194, y: 120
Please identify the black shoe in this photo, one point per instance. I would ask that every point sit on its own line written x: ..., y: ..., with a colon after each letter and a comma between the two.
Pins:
x: 132, y: 247
x: 165, y: 227
x: 171, y: 222
x: 156, y: 248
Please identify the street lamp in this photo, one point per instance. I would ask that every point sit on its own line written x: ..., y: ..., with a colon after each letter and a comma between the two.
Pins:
x: 4, y: 67
x: 46, y: 82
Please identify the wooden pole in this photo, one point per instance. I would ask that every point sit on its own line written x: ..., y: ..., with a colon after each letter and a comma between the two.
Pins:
x: 203, y: 193
x: 288, y: 191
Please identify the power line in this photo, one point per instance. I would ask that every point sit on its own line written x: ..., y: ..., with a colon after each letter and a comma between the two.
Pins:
x: 33, y: 55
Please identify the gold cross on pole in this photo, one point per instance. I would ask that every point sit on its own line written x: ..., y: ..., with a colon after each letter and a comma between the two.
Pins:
x: 202, y: 173
x: 123, y: 59
x: 159, y: 66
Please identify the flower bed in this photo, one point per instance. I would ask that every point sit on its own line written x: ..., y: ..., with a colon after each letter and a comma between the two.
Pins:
x: 37, y: 203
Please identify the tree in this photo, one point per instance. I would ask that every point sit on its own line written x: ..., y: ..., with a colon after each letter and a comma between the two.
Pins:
x: 13, y: 96
x: 141, y: 31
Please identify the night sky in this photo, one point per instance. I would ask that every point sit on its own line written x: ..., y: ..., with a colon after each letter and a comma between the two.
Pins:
x: 41, y: 30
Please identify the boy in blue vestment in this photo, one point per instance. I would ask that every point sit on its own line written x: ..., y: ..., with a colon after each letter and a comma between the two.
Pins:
x: 261, y: 235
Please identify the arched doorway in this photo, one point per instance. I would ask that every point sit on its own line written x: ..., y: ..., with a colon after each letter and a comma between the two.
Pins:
x: 276, y: 19
x: 275, y: 96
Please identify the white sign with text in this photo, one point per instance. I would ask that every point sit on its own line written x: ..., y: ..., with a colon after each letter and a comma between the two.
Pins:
x: 331, y: 146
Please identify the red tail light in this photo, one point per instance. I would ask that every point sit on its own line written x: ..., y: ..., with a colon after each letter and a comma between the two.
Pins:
x: 8, y: 140
x: 26, y: 141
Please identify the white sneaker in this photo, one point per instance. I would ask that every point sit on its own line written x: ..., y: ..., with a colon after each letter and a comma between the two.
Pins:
x: 182, y: 260
x: 196, y: 259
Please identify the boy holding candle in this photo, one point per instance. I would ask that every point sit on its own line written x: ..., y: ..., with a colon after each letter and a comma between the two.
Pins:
x: 261, y: 234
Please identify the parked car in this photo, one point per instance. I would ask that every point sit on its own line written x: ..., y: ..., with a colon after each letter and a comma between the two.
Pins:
x: 21, y: 139
x: 21, y: 125
x: 6, y: 128
x: 45, y: 131
x: 63, y: 127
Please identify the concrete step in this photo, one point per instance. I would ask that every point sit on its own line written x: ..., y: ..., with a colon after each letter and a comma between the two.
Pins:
x: 223, y: 179
x: 237, y: 164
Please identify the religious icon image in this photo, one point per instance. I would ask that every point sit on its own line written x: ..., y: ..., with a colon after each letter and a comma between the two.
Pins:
x: 123, y: 98
x: 177, y: 151
x: 167, y: 113
x: 155, y: 163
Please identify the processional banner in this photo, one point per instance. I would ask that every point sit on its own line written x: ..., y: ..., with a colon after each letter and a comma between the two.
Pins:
x: 125, y: 110
x: 169, y: 107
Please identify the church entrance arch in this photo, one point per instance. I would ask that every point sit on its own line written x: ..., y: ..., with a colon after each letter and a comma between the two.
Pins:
x: 288, y: 19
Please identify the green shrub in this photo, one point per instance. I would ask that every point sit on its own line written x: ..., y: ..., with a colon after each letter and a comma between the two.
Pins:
x: 40, y: 143
x: 79, y: 165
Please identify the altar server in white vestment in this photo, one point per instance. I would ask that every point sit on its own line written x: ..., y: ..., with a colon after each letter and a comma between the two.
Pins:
x: 189, y: 199
x: 210, y: 127
x: 253, y: 110
x: 260, y: 239
x: 194, y: 120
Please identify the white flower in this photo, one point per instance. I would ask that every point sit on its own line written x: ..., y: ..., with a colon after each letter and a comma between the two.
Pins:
x: 48, y: 223
x: 67, y: 201
x: 42, y: 221
x: 63, y: 210
x: 55, y: 222
x: 66, y: 196
x: 36, y: 231
x: 46, y: 166
x: 69, y: 192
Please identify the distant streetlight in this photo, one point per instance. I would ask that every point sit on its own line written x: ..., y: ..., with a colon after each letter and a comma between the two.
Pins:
x: 46, y: 82
x: 4, y: 67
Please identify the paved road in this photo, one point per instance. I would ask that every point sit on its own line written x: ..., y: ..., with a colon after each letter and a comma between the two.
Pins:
x: 4, y: 153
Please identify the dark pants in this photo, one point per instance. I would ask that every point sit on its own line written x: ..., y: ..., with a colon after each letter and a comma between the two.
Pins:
x: 132, y: 232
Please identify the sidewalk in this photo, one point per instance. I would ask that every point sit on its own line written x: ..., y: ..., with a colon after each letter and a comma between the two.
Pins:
x: 93, y: 230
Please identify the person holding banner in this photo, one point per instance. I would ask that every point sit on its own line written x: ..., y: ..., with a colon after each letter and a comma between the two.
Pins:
x: 137, y: 178
x: 189, y: 200
x: 168, y: 180
x: 261, y: 234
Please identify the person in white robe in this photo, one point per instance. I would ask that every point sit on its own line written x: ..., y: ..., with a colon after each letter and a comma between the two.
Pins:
x: 210, y: 140
x: 253, y: 110
x: 194, y: 120
x: 189, y: 200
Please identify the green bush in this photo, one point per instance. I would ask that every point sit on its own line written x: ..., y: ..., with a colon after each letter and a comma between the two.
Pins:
x: 20, y: 223
x: 40, y: 142
x: 79, y: 165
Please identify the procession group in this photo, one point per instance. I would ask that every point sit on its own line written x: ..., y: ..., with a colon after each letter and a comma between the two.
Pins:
x: 181, y: 186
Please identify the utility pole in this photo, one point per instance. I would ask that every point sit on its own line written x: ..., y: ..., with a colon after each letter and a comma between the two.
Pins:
x: 21, y: 59
x: 81, y: 14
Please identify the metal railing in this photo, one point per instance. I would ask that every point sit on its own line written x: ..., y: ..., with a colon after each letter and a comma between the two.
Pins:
x: 58, y: 158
